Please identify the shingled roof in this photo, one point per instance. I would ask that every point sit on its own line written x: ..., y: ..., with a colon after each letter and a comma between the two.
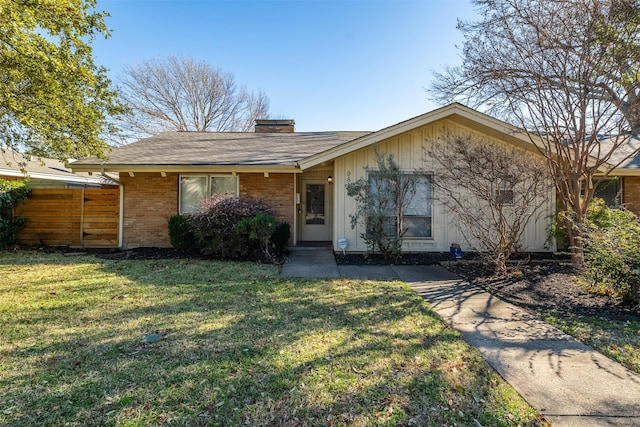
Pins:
x: 218, y: 149
x: 17, y: 165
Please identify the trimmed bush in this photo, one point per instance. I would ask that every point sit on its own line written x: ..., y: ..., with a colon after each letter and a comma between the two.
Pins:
x: 180, y: 233
x: 612, y: 253
x: 213, y: 225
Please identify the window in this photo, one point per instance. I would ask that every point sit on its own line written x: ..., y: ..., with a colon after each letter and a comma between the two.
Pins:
x: 417, y: 220
x: 417, y: 216
x: 193, y: 188
x: 504, y: 194
x: 610, y: 191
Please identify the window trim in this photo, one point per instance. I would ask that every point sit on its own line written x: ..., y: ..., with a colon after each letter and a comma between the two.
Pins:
x: 429, y: 177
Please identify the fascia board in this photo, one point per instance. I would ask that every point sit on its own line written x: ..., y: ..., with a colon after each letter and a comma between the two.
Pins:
x: 49, y: 177
x: 184, y: 168
x: 625, y: 172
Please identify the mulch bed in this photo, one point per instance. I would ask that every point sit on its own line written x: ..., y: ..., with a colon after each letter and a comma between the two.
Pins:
x: 549, y: 284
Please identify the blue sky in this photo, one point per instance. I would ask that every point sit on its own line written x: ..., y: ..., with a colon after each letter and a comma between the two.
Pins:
x: 330, y: 65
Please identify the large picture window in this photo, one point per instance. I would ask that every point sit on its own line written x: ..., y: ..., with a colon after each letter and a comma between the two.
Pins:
x: 193, y: 188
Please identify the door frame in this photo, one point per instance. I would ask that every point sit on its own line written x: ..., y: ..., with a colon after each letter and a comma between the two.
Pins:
x: 328, y: 207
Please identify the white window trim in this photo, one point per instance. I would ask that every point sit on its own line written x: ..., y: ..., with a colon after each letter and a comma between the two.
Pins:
x: 429, y: 176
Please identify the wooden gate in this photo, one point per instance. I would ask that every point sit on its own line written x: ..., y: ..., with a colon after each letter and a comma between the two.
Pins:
x: 86, y: 218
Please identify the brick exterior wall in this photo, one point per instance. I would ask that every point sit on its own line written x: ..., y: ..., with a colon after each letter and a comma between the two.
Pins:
x: 149, y: 199
x: 631, y: 193
x: 276, y: 190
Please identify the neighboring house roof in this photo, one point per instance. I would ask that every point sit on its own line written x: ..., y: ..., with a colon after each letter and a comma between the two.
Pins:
x: 626, y: 165
x: 178, y: 151
x: 14, y: 164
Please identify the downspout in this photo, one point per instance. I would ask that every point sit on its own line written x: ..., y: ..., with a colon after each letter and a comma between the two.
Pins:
x: 121, y: 217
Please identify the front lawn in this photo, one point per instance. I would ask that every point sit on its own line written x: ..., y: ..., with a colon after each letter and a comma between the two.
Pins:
x: 88, y: 342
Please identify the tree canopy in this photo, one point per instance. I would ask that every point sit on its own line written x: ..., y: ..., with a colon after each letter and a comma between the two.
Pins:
x: 182, y: 94
x: 566, y: 71
x: 54, y: 100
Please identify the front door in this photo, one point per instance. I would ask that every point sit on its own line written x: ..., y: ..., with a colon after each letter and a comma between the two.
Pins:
x: 316, y: 211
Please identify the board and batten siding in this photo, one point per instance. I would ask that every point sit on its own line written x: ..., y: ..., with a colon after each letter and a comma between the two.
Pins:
x: 409, y: 150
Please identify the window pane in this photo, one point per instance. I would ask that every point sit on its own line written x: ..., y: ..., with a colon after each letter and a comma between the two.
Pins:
x: 420, y: 203
x: 192, y: 190
x: 417, y: 226
x: 315, y: 204
x: 609, y: 191
x: 224, y: 185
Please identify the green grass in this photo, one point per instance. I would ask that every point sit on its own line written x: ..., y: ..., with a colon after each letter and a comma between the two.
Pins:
x: 242, y: 347
x: 617, y: 339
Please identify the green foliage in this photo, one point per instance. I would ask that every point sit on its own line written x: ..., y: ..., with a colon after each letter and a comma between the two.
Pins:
x: 11, y: 192
x: 260, y: 228
x: 8, y: 229
x: 613, y: 251
x: 381, y: 199
x: 53, y: 99
x: 214, y: 222
x: 281, y: 235
x: 180, y: 233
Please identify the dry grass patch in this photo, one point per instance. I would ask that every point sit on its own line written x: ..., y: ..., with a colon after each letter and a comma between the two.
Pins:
x: 238, y: 346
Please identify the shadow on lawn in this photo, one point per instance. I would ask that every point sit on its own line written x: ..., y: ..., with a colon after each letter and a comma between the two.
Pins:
x: 242, y: 347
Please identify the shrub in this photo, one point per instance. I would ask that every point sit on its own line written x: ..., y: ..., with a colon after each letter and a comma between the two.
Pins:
x: 281, y: 235
x: 612, y: 254
x: 11, y: 192
x: 215, y: 220
x: 260, y: 228
x: 382, y: 199
x: 180, y: 233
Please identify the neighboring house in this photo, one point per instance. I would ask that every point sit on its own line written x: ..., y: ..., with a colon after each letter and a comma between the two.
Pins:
x: 65, y: 208
x: 623, y: 185
x: 301, y: 174
x: 48, y: 173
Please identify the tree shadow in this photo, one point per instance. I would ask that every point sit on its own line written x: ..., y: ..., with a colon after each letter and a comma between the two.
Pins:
x: 241, y: 346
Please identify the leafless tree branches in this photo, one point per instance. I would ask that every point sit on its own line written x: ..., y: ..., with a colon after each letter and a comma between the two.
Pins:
x: 567, y: 72
x: 181, y: 94
x: 491, y: 190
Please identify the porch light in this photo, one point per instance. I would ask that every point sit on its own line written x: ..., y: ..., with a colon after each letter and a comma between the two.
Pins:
x: 330, y: 179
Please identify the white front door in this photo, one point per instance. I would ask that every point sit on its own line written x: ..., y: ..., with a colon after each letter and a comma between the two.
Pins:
x: 316, y: 211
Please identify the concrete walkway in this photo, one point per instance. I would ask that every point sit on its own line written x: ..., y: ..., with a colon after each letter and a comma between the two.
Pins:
x: 569, y: 383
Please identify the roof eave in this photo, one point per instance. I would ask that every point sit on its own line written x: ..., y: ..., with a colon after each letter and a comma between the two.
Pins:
x: 175, y: 168
x: 50, y: 177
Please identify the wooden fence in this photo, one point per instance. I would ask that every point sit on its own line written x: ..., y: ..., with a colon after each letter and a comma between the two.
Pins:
x: 86, y: 218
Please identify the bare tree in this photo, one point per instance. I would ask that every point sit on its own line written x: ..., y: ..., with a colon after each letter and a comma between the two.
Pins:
x: 491, y: 190
x: 567, y: 72
x: 180, y: 94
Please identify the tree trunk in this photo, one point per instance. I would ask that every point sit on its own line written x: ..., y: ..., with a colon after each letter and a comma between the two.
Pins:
x: 575, y: 231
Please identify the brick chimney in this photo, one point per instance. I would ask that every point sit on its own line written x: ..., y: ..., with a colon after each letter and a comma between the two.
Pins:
x: 275, y: 126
